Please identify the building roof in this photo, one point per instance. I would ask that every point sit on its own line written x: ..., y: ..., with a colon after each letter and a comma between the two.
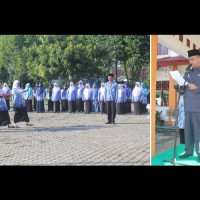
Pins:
x: 172, y: 61
x: 120, y: 72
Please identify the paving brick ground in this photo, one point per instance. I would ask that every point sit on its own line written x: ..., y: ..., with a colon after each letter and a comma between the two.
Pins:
x: 76, y: 139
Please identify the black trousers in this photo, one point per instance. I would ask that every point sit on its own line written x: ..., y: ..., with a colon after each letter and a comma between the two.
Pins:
x: 8, y: 103
x: 72, y: 106
x: 34, y: 103
x: 111, y: 110
x: 137, y: 108
x: 4, y: 118
x: 50, y: 105
x: 143, y: 108
x: 20, y: 115
x: 64, y: 105
x: 88, y: 106
x: 40, y: 106
x: 28, y: 104
x: 127, y: 107
x: 56, y: 106
x: 80, y: 105
x: 102, y: 107
x: 182, y: 139
x: 120, y: 108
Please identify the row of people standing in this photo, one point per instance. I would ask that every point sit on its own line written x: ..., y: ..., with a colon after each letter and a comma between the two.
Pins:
x: 20, y: 112
x: 73, y: 98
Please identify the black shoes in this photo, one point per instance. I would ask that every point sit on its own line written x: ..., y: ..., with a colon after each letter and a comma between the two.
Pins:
x: 185, y: 155
x: 109, y: 122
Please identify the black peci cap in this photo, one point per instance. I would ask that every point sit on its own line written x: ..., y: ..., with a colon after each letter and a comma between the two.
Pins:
x: 111, y: 75
x: 193, y: 52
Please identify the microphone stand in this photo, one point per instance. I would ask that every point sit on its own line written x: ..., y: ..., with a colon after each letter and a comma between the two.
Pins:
x: 180, y: 93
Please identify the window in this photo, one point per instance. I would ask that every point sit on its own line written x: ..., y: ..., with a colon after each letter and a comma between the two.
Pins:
x: 162, y: 93
x: 162, y: 50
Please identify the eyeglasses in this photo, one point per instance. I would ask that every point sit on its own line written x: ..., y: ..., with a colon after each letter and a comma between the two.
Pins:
x: 194, y: 58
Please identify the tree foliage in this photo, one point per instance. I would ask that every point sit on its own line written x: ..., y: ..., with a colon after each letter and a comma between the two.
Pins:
x: 31, y: 58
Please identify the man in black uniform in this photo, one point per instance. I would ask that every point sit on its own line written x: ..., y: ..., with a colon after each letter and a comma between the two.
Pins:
x: 192, y: 105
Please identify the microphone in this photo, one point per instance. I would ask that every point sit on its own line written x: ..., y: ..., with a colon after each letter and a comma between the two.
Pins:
x: 189, y: 67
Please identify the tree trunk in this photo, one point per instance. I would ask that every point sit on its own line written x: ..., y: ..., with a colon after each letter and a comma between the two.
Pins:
x: 7, y: 76
x: 132, y: 74
x: 126, y: 73
x: 116, y: 69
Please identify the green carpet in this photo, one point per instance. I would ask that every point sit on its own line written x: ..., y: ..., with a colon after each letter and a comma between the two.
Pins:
x: 168, y: 155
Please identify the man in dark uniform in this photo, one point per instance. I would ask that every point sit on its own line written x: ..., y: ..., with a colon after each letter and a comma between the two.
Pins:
x: 192, y: 105
x: 111, y: 94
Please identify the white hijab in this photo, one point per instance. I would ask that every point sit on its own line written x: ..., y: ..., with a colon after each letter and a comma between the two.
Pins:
x: 15, y: 84
x: 87, y: 91
x: 71, y: 88
x: 17, y: 89
x: 137, y: 90
x: 56, y: 88
x: 80, y: 85
x: 2, y: 92
x: 120, y: 90
x: 102, y: 88
x: 5, y: 87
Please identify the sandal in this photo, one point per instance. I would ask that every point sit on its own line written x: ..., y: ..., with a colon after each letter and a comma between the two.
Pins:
x: 11, y: 126
x: 29, y: 124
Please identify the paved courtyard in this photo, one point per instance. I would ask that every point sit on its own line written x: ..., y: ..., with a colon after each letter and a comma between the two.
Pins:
x: 76, y: 139
x: 165, y: 140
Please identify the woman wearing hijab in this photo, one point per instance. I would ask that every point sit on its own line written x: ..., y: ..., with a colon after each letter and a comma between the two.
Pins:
x: 28, y: 98
x: 95, y: 103
x: 79, y: 102
x: 101, y: 98
x: 64, y: 102
x: 128, y: 93
x: 40, y: 95
x: 121, y: 99
x: 87, y: 96
x: 136, y: 98
x: 34, y: 95
x: 49, y: 97
x: 4, y: 116
x: 19, y: 105
x: 144, y: 98
x: 56, y: 96
x: 71, y: 97
x: 6, y: 89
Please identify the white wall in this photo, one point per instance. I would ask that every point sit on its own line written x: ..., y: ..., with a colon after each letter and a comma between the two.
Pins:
x: 162, y: 74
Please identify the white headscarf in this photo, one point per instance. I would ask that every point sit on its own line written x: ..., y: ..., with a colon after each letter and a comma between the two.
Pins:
x: 15, y: 84
x: 137, y: 90
x: 17, y: 88
x: 80, y: 85
x: 87, y: 91
x: 55, y: 89
x: 71, y: 88
x: 2, y: 92
x: 120, y: 88
x: 5, y: 87
x: 102, y: 88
